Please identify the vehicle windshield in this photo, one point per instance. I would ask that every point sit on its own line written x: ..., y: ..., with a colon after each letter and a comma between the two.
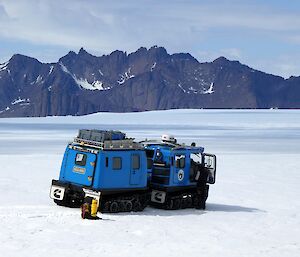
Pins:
x: 196, y: 157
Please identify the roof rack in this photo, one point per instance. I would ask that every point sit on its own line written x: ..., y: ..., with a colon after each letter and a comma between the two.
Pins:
x: 157, y: 142
x: 174, y: 146
x: 127, y: 143
x: 100, y: 135
x: 90, y: 143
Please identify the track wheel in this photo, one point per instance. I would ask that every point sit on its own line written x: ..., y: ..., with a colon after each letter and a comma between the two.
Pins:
x: 137, y: 206
x: 184, y: 203
x: 105, y: 207
x: 177, y: 204
x: 189, y: 202
x: 170, y: 204
x: 199, y: 203
x: 114, y: 207
x: 128, y: 206
x: 196, y: 201
x: 122, y: 206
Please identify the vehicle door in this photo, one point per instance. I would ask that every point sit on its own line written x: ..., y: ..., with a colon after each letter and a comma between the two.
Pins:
x: 135, y: 169
x: 80, y: 167
x: 210, y: 164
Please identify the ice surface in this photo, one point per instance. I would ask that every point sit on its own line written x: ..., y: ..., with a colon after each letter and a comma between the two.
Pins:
x: 252, y: 210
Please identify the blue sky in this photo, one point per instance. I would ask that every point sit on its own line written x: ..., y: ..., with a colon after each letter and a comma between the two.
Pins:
x: 262, y: 34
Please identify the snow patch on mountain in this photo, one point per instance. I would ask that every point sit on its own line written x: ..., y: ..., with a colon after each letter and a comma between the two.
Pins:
x: 209, y: 90
x: 153, y: 66
x: 3, y: 66
x: 95, y: 85
x: 126, y: 76
x: 51, y: 69
x: 193, y: 90
x: 83, y: 82
x: 179, y: 85
x: 38, y: 80
x: 17, y: 101
x: 5, y: 109
x: 64, y: 68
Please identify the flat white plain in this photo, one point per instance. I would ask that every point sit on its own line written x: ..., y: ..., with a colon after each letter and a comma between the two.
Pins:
x: 252, y: 210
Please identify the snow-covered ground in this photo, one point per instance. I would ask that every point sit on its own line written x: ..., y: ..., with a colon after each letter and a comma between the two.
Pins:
x: 252, y: 210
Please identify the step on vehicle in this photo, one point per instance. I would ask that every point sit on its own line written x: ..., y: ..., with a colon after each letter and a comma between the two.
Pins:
x: 106, y: 162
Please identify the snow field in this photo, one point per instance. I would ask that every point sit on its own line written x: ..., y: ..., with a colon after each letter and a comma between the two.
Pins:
x: 252, y: 210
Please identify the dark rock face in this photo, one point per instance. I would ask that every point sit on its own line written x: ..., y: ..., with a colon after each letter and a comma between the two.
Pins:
x: 144, y: 80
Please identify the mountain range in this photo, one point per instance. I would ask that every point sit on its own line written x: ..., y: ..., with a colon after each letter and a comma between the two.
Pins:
x: 148, y: 79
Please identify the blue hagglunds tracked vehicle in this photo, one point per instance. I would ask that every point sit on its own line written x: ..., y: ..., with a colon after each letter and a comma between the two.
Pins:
x: 127, y: 176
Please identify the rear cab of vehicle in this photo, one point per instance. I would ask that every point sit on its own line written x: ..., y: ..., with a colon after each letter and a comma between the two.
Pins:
x: 109, y: 167
x: 179, y: 169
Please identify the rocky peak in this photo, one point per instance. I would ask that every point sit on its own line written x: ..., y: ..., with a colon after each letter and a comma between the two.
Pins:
x: 221, y: 60
x: 70, y: 57
x: 22, y: 60
x: 82, y: 51
x: 184, y: 57
x: 158, y: 53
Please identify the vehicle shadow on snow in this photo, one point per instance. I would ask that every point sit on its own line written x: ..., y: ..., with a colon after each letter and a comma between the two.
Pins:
x: 150, y: 211
x: 210, y: 207
x: 230, y: 208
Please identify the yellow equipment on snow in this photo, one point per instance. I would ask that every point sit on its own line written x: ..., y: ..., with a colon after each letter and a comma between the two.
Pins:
x: 90, y: 208
x: 94, y: 208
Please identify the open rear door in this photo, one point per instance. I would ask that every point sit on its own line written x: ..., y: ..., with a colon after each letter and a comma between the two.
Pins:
x: 210, y: 163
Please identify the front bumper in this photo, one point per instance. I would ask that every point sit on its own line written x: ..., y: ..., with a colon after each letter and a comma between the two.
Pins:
x: 61, y: 190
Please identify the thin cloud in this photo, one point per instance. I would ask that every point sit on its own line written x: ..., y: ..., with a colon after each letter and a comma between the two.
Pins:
x: 108, y: 26
x: 232, y: 53
x: 103, y: 26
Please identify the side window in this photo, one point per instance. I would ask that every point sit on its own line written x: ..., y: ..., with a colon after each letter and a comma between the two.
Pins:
x: 117, y: 163
x: 180, y: 161
x: 80, y: 159
x: 149, y: 154
x: 196, y: 158
x: 135, y: 162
